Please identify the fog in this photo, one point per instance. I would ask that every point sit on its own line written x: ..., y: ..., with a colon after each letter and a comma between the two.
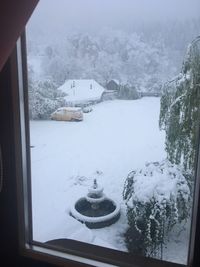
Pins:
x: 139, y: 41
x: 68, y: 15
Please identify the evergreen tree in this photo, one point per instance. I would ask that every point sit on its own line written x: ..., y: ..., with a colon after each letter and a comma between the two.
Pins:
x: 179, y: 114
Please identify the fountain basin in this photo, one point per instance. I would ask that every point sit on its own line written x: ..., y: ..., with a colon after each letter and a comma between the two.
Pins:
x: 106, y: 212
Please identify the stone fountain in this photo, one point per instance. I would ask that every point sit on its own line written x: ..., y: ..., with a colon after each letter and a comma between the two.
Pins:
x: 95, y: 209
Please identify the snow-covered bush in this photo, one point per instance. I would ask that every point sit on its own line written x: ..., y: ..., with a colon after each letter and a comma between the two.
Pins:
x: 157, y: 198
x: 44, y: 98
x: 128, y: 92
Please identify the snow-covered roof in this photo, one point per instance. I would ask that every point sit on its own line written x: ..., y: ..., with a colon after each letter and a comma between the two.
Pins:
x: 82, y: 90
x: 116, y: 81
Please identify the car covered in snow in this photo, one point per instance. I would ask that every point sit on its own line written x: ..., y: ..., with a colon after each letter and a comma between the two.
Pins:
x: 87, y: 109
x: 67, y: 114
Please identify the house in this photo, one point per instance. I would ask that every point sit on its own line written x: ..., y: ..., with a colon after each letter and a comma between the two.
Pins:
x: 82, y: 92
x: 112, y: 90
x: 113, y: 85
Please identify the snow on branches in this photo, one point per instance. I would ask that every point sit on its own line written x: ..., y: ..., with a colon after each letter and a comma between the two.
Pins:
x: 179, y: 113
x: 157, y: 198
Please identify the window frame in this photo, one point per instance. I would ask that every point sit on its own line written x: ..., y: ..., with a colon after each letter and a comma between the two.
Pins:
x: 58, y: 255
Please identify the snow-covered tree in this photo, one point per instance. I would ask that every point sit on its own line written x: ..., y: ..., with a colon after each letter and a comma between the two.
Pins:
x: 128, y: 92
x: 108, y: 54
x: 44, y: 98
x: 179, y: 114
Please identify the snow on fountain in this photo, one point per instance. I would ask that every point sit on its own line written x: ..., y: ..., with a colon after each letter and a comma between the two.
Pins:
x: 95, y: 210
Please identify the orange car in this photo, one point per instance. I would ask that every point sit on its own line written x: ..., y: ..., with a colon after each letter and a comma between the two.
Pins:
x: 67, y: 114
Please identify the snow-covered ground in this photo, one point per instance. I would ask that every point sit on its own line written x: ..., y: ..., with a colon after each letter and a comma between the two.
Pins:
x: 112, y: 140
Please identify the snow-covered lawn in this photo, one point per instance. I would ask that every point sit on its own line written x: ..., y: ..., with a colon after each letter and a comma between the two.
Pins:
x: 115, y: 138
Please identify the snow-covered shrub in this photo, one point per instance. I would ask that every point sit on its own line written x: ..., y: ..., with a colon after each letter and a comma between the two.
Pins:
x: 128, y: 92
x: 157, y: 198
x: 44, y: 98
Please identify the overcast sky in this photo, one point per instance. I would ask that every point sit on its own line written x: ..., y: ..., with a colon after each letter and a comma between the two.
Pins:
x: 65, y: 15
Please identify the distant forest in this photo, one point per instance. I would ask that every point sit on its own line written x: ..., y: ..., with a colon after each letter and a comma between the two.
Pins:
x: 144, y: 55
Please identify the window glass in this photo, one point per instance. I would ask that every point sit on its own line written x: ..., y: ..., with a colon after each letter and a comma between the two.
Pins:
x: 114, y: 112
